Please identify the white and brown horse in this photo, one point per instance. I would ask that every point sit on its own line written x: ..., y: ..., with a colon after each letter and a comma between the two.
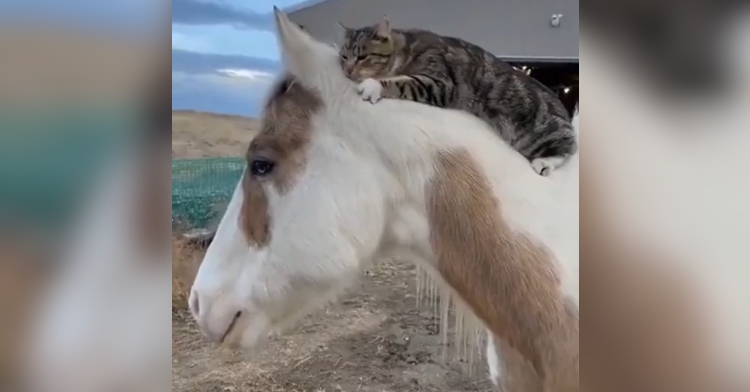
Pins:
x: 334, y: 183
x: 104, y: 323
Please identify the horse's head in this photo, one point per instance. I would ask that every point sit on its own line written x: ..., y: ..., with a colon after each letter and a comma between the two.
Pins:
x: 307, y: 213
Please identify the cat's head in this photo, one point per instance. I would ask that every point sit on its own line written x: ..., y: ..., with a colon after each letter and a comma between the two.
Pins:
x: 369, y: 52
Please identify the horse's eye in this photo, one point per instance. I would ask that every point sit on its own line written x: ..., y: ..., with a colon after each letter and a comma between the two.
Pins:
x: 261, y: 167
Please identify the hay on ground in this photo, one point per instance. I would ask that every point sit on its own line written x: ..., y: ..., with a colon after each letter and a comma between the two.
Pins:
x: 185, y: 261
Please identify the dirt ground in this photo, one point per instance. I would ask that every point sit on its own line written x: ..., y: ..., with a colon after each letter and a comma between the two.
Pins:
x: 200, y: 135
x: 375, y: 339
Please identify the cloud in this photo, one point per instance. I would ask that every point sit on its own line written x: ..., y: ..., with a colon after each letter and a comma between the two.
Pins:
x: 189, y: 62
x: 247, y: 74
x: 129, y: 16
x: 191, y: 42
x: 206, y: 12
x: 219, y: 93
x: 230, y: 84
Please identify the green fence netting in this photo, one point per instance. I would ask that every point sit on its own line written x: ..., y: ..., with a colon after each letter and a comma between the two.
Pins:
x: 50, y: 156
x: 201, y: 189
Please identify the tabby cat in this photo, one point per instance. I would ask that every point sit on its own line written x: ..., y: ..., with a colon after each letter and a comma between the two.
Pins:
x: 449, y: 72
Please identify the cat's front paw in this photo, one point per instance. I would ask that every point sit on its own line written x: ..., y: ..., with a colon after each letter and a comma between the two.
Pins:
x: 371, y: 90
x: 544, y: 166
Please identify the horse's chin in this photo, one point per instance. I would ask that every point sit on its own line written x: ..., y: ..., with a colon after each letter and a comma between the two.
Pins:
x: 252, y: 329
x: 250, y: 337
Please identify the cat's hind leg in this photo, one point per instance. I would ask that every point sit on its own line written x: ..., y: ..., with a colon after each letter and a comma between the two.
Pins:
x: 553, y: 151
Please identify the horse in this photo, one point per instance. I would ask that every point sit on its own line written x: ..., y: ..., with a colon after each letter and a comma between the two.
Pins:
x: 104, y: 323
x: 333, y: 184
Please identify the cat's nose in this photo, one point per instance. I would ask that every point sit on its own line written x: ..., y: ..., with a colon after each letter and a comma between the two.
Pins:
x: 349, y: 68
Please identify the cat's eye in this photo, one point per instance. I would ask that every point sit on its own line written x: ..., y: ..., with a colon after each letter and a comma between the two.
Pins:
x: 362, y: 57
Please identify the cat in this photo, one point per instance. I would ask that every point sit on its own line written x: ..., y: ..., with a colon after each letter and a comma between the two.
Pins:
x: 450, y: 72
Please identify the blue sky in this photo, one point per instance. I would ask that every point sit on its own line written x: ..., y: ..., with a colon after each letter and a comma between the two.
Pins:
x: 128, y: 15
x: 224, y: 54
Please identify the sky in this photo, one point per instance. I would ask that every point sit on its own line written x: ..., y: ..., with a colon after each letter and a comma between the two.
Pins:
x: 224, y: 54
x: 112, y: 14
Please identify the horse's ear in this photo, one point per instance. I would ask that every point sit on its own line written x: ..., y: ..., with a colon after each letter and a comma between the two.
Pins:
x: 304, y: 57
x: 300, y: 52
x: 292, y: 38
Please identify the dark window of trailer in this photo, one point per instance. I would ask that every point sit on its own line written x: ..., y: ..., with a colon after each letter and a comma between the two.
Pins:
x: 561, y: 78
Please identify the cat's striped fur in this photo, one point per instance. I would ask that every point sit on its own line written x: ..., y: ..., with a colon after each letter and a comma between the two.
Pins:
x: 449, y: 72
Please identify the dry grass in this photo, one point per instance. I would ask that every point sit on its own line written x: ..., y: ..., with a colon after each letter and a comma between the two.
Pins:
x: 42, y: 63
x: 185, y: 259
x: 199, y: 134
x: 373, y: 340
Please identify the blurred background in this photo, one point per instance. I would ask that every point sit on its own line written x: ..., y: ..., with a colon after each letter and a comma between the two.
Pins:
x: 664, y: 194
x: 82, y: 85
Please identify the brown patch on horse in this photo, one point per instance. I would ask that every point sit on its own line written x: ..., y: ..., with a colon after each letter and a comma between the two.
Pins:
x: 285, y: 135
x: 508, y: 280
x: 516, y: 373
x: 645, y: 329
x: 254, y: 218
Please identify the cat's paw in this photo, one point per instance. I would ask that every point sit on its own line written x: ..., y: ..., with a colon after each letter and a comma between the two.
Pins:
x: 544, y: 166
x: 371, y: 90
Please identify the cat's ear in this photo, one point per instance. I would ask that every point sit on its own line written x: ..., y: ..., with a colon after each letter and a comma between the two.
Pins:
x: 383, y: 29
x: 341, y: 32
x: 340, y: 26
